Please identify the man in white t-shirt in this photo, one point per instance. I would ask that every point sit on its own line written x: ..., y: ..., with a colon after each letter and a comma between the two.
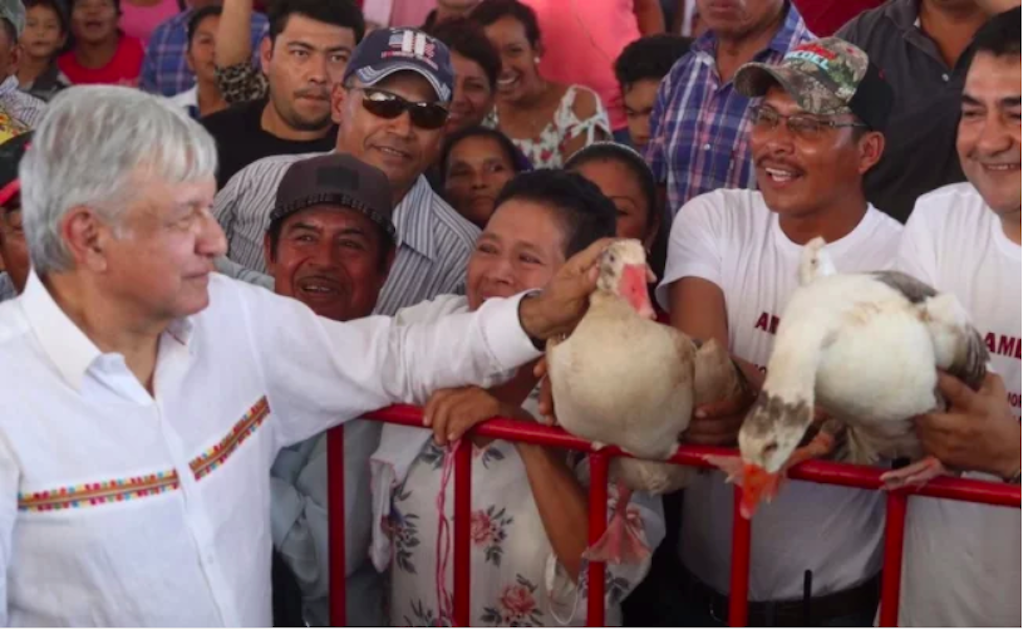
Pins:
x: 733, y: 262
x: 961, y: 562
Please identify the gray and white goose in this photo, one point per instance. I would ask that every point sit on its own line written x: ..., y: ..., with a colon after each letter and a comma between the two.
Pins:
x: 864, y: 348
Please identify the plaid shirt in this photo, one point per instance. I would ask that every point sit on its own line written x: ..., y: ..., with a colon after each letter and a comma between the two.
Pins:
x: 164, y: 70
x: 698, y: 129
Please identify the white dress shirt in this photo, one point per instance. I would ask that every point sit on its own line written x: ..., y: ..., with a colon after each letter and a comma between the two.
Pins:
x: 121, y: 508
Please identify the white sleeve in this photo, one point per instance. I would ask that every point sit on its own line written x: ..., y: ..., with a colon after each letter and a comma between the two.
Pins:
x: 918, y: 251
x: 9, y: 481
x: 319, y: 373
x: 693, y: 246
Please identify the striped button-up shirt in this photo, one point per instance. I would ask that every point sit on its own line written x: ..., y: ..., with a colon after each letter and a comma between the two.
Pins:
x: 24, y: 107
x: 698, y: 129
x: 434, y: 241
x: 164, y: 69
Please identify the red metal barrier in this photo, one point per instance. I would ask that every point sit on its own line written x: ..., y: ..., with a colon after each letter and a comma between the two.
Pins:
x: 966, y: 490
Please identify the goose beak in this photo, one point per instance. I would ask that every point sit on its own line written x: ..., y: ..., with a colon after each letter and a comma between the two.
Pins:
x: 757, y: 485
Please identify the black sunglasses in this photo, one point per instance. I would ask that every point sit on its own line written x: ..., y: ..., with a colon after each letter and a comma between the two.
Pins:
x: 384, y: 104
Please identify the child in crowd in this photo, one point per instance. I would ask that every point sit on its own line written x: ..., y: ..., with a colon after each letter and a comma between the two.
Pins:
x: 205, y: 97
x: 100, y: 52
x: 45, y: 34
x: 639, y: 69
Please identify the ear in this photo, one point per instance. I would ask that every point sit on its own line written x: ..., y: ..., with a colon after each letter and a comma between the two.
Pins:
x: 188, y: 61
x: 338, y: 96
x: 268, y: 256
x: 871, y: 149
x: 266, y: 49
x: 86, y: 237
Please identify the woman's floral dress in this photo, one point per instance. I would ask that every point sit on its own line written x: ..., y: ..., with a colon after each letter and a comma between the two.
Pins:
x: 516, y: 579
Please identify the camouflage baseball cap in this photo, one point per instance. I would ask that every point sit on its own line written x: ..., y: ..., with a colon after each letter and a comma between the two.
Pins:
x: 826, y: 77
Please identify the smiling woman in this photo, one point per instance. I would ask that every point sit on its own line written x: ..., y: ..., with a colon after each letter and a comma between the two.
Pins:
x: 548, y: 121
x: 530, y: 532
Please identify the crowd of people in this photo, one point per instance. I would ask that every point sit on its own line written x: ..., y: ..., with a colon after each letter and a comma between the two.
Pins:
x: 227, y: 227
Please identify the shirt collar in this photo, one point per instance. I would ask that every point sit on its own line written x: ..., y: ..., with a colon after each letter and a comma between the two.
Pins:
x: 792, y: 31
x: 67, y: 347
x: 9, y: 85
x: 414, y: 216
x: 905, y: 14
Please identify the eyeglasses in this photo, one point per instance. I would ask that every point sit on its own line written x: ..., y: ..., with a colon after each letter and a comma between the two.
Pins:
x: 804, y: 126
x: 388, y: 106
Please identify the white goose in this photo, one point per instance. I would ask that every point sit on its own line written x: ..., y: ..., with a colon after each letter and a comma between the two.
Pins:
x: 864, y: 348
x: 621, y: 378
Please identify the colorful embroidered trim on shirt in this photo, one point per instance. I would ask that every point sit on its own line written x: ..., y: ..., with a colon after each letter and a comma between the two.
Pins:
x: 210, y: 460
x: 92, y: 494
x: 121, y: 489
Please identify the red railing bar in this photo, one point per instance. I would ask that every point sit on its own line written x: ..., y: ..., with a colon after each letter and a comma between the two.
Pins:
x: 864, y: 477
x: 336, y: 522
x: 860, y: 476
x: 463, y: 524
x: 599, y: 463
x: 891, y: 572
x: 739, y: 588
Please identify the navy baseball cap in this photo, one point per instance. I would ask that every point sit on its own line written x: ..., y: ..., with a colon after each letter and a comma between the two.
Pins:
x: 388, y: 50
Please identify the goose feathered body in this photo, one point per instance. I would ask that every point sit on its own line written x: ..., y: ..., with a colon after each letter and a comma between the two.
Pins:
x: 864, y: 347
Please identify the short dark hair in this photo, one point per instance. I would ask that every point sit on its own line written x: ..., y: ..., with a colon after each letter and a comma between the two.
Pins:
x: 633, y: 162
x: 197, y: 17
x: 586, y: 215
x: 490, y: 11
x: 54, y: 5
x: 117, y: 5
x: 343, y: 13
x: 650, y: 58
x: 466, y: 37
x: 518, y: 160
x: 1000, y: 36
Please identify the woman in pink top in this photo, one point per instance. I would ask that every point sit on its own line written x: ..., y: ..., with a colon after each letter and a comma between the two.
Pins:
x: 140, y: 17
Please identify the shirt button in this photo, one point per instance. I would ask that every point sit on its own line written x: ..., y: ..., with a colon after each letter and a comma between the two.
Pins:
x: 706, y: 147
x: 944, y: 77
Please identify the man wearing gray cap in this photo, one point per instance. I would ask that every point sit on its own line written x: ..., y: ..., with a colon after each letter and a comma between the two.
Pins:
x: 733, y: 262
x: 22, y: 106
x: 330, y: 245
x: 391, y: 109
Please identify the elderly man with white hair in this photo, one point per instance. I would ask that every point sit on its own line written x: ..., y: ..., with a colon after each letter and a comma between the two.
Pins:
x: 145, y: 398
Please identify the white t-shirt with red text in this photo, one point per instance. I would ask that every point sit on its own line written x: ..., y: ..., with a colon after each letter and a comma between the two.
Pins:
x: 731, y: 238
x: 962, y: 561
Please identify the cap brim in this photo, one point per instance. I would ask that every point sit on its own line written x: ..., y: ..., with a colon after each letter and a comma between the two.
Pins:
x: 754, y: 80
x: 371, y: 75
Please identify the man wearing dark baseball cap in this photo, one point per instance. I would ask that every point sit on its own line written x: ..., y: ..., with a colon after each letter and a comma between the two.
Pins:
x: 391, y: 108
x: 330, y: 245
x: 733, y: 263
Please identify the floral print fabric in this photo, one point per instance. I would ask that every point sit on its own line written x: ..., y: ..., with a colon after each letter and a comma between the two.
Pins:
x: 516, y: 579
